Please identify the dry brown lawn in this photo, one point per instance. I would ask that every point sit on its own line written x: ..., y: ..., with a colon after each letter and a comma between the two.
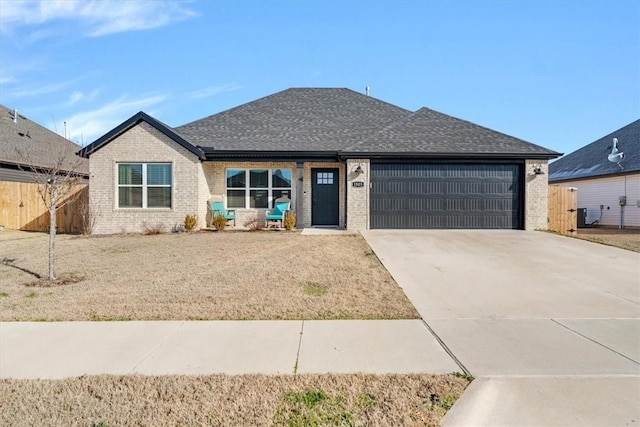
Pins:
x: 226, y: 275
x: 221, y: 400
x: 627, y: 238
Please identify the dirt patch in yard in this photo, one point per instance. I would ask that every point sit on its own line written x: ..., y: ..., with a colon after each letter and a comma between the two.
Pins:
x: 221, y: 400
x: 206, y: 276
x: 627, y: 238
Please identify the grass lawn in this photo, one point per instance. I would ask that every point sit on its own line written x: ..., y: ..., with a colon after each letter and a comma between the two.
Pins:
x: 221, y: 400
x: 205, y: 276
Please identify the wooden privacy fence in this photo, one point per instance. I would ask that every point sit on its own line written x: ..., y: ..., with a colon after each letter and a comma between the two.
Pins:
x: 563, y: 209
x: 21, y: 208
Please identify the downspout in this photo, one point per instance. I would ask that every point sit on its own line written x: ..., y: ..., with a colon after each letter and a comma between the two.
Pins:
x: 346, y: 194
x: 341, y: 159
x: 622, y: 200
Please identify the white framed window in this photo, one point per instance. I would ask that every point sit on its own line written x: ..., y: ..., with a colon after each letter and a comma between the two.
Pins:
x: 144, y: 185
x: 257, y: 188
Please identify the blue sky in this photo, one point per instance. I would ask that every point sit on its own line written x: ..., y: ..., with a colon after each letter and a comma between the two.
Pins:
x: 560, y: 74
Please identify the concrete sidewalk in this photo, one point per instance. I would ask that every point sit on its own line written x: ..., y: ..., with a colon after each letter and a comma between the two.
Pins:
x: 67, y: 349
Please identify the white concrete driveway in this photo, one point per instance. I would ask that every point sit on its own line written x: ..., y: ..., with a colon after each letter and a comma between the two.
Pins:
x: 549, y: 325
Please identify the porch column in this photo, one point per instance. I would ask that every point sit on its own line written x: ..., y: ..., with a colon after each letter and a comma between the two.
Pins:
x: 299, y: 194
x: 358, y: 173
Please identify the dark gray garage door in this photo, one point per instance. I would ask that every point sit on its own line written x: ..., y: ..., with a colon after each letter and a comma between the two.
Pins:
x: 446, y: 196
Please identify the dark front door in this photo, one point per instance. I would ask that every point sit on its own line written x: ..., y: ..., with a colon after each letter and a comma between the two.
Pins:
x: 324, y: 197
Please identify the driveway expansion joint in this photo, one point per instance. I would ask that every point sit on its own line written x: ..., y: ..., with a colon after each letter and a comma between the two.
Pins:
x: 594, y: 341
x: 446, y: 349
x: 621, y: 297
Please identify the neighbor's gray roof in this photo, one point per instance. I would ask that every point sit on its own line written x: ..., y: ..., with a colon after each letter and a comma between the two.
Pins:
x: 28, y: 143
x: 298, y: 119
x: 428, y: 131
x: 591, y: 160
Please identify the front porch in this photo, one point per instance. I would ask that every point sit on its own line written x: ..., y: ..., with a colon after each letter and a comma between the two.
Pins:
x: 317, y: 191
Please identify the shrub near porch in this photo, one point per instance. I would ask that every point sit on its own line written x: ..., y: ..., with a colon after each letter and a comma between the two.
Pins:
x: 228, y: 275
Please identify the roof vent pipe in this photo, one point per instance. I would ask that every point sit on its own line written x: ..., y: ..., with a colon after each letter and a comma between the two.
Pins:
x: 367, y: 90
x: 15, y: 115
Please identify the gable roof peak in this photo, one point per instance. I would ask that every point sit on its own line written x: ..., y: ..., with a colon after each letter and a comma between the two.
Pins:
x: 294, y: 119
x: 139, y: 117
x: 432, y: 133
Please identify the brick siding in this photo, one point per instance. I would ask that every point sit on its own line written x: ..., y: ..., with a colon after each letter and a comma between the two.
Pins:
x: 358, y: 197
x: 195, y: 183
x: 536, y: 195
x: 141, y: 144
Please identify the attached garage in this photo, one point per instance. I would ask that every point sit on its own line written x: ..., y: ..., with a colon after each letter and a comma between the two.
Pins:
x: 446, y: 195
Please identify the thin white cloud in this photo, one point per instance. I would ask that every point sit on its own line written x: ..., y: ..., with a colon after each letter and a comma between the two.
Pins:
x: 26, y: 91
x: 75, y: 98
x: 89, y: 125
x: 96, y: 18
x: 134, y: 16
x: 37, y: 35
x: 17, y: 73
x: 78, y: 96
x: 15, y: 11
x: 213, y: 90
x: 7, y: 79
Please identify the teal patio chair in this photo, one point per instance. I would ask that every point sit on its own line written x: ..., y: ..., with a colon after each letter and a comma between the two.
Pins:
x: 217, y: 208
x: 277, y: 213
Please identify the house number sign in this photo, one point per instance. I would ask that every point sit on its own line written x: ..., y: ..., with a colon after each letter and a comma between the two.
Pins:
x: 358, y: 184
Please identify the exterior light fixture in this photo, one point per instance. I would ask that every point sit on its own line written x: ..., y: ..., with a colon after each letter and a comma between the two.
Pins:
x: 536, y: 170
x: 358, y: 170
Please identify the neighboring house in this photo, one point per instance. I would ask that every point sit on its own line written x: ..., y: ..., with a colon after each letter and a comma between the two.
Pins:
x: 25, y: 144
x: 345, y: 159
x: 600, y: 182
x: 25, y: 148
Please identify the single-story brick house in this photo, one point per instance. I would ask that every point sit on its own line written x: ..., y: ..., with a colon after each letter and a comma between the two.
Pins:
x: 601, y: 182
x: 345, y: 159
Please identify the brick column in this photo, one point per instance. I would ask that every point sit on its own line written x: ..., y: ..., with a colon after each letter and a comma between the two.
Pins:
x: 358, y: 187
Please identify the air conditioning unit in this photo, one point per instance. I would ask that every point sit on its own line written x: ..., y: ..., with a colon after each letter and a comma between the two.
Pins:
x: 582, y: 217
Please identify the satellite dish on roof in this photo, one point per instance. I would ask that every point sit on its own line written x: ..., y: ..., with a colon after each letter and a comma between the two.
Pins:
x: 616, y: 155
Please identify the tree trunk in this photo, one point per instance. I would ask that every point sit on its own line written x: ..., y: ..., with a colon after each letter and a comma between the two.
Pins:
x: 52, y: 240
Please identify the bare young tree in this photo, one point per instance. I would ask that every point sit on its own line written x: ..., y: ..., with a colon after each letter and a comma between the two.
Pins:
x: 56, y: 184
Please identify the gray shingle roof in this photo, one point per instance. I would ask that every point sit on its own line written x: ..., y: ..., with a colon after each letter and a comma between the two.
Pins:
x: 327, y: 119
x: 591, y: 160
x: 429, y: 132
x: 310, y: 119
x: 28, y: 143
x: 333, y: 122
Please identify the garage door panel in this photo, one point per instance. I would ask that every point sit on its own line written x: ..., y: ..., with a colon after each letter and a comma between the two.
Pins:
x: 445, y: 196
